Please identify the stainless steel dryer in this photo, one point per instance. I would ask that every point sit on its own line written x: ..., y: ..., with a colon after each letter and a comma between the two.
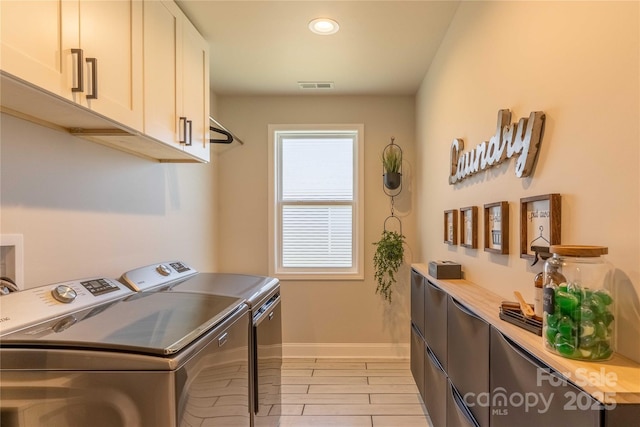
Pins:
x: 262, y: 295
x: 161, y: 359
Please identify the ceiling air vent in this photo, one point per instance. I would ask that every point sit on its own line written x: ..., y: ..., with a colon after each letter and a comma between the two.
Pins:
x: 315, y: 85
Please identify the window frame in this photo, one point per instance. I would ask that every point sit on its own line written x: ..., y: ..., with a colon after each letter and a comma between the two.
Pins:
x: 356, y: 272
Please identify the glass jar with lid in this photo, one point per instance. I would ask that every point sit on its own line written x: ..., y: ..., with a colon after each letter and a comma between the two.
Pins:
x: 578, y: 305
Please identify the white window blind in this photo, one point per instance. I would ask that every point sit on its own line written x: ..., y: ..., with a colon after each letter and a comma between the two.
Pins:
x: 315, y: 178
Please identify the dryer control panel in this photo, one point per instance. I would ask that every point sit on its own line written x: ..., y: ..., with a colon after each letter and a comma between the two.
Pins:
x: 156, y: 275
x: 29, y: 307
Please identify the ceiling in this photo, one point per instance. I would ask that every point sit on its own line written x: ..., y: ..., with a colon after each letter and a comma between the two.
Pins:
x: 265, y: 47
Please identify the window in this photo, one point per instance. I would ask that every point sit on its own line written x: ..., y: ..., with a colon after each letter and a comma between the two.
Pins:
x: 316, y: 199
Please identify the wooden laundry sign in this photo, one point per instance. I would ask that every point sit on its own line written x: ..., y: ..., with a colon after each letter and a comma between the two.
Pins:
x: 520, y: 139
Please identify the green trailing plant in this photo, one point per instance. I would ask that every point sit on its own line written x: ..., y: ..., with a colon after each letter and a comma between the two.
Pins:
x: 392, y: 160
x: 387, y: 259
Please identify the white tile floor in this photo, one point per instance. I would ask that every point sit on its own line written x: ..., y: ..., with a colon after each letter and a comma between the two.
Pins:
x: 350, y: 393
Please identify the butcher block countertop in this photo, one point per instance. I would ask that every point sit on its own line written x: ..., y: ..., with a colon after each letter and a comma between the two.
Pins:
x: 615, y: 380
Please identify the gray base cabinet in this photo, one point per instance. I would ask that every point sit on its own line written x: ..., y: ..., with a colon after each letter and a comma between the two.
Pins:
x: 470, y: 374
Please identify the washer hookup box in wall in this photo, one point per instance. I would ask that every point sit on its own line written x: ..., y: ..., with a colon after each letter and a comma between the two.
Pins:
x: 445, y: 270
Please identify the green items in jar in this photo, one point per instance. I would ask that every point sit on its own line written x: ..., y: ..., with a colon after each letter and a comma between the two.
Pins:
x: 578, y: 321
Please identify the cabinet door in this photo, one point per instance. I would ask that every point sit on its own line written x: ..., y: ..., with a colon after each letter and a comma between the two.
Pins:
x: 435, y: 394
x: 195, y: 90
x: 435, y: 330
x: 417, y: 300
x: 468, y: 357
x: 527, y: 393
x: 43, y: 57
x: 111, y: 33
x: 418, y: 349
x: 162, y: 76
x: 458, y: 414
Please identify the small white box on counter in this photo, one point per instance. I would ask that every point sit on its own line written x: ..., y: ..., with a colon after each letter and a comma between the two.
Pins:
x: 445, y: 270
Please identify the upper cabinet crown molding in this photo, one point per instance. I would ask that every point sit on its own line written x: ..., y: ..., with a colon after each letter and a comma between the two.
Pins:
x: 82, y: 72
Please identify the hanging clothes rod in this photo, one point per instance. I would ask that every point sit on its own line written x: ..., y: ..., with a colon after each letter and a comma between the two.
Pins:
x: 230, y: 137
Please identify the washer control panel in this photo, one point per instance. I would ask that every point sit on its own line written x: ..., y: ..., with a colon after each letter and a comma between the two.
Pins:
x: 156, y: 275
x: 35, y: 305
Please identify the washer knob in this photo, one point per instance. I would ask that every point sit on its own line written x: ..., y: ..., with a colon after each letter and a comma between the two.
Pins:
x: 64, y: 293
x: 163, y: 269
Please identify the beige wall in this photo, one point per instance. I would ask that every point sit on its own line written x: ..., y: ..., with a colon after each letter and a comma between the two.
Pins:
x: 317, y: 312
x: 577, y: 62
x: 88, y: 210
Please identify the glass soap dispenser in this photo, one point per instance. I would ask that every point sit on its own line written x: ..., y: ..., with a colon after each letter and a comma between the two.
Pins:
x: 578, y: 306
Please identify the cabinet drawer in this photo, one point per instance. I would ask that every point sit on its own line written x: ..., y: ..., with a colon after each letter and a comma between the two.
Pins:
x: 458, y: 414
x: 527, y: 393
x: 418, y: 360
x: 468, y: 357
x: 435, y: 332
x: 417, y: 300
x: 435, y: 399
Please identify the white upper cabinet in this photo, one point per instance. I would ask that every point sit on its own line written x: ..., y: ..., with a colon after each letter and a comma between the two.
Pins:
x: 89, y: 52
x: 195, y: 89
x: 41, y: 57
x: 111, y: 34
x: 176, y: 76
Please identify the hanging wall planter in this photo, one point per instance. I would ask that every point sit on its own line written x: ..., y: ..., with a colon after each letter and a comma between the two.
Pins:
x: 389, y: 254
x: 392, y: 166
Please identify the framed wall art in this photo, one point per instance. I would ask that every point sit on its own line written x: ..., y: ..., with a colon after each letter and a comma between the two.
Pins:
x: 496, y: 227
x: 469, y: 227
x: 540, y: 224
x: 451, y: 227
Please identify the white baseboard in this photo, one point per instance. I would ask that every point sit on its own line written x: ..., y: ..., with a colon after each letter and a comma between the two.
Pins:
x: 344, y: 350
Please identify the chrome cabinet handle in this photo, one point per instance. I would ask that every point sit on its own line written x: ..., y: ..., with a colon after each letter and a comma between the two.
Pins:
x: 80, y: 86
x: 94, y: 78
x: 182, y: 130
x: 189, y: 126
x: 271, y: 315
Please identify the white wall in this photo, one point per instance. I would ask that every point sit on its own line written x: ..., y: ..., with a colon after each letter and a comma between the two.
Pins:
x: 579, y: 63
x: 318, y: 312
x: 87, y: 210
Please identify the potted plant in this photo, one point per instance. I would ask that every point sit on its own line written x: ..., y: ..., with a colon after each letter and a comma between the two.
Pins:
x: 391, y: 162
x: 387, y: 259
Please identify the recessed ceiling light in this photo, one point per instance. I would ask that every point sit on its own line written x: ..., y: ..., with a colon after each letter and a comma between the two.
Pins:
x: 324, y: 26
